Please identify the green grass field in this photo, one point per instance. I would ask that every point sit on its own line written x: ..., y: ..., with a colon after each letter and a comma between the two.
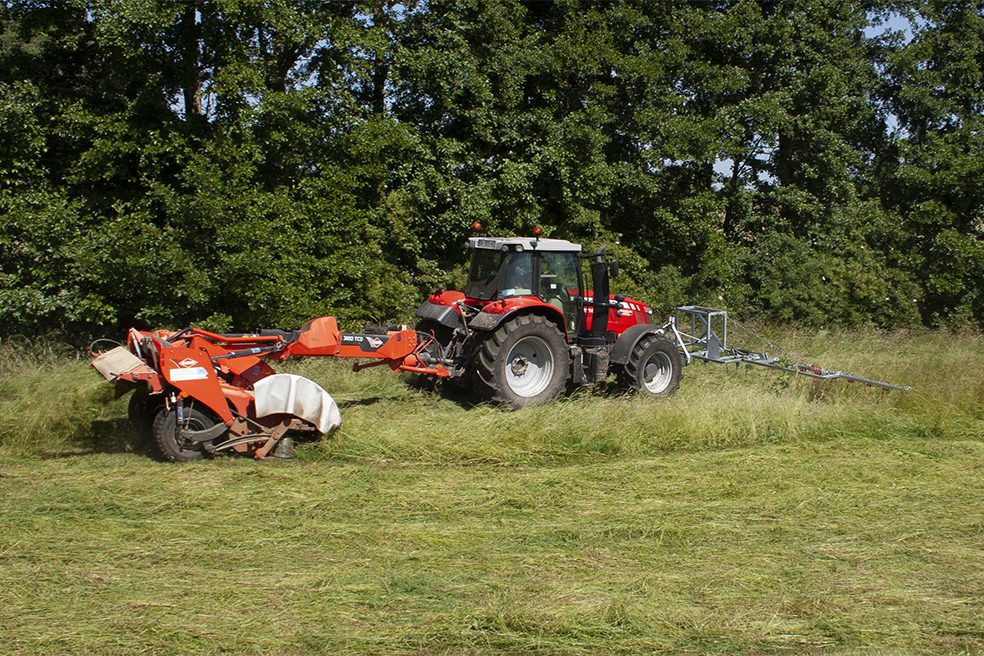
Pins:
x: 751, y: 513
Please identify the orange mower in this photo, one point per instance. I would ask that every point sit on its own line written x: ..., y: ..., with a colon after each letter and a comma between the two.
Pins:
x: 214, y: 392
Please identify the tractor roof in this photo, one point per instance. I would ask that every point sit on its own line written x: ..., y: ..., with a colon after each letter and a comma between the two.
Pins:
x: 526, y: 244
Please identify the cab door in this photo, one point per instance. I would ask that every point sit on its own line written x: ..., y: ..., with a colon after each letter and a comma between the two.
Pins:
x: 560, y: 286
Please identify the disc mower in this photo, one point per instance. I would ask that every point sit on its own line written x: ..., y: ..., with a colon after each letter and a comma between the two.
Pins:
x: 213, y: 392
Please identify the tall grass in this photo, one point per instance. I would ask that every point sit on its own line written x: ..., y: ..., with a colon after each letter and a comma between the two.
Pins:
x: 51, y: 401
x: 715, y: 408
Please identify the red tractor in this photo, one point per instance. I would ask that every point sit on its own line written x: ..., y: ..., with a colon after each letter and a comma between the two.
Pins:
x: 526, y: 327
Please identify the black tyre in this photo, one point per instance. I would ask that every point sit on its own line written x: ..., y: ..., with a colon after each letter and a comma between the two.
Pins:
x: 524, y: 362
x: 653, y: 368
x: 170, y: 444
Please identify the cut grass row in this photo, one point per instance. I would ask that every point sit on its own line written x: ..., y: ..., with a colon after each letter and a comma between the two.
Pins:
x: 832, y: 546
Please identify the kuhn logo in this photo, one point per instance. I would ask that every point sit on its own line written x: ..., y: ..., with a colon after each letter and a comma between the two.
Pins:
x: 188, y: 362
x: 367, y: 343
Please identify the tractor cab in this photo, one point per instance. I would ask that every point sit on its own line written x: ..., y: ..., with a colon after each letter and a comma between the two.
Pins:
x: 531, y: 275
x: 512, y: 268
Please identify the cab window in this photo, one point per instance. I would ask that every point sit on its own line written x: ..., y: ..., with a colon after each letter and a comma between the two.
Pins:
x: 495, y: 274
x: 517, y: 274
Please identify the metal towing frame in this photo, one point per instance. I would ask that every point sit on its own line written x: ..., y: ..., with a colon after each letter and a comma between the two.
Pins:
x: 702, y: 333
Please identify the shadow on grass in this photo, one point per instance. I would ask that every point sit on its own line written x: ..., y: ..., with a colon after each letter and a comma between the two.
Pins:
x: 447, y: 390
x: 120, y: 435
x: 355, y: 403
x: 464, y: 400
x: 116, y: 435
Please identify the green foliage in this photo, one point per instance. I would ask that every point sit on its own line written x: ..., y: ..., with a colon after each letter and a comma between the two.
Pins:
x: 245, y: 163
x: 22, y: 139
x: 933, y: 84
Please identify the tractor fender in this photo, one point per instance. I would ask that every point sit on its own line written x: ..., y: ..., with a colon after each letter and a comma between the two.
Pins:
x: 628, y: 340
x: 489, y: 321
x: 446, y: 315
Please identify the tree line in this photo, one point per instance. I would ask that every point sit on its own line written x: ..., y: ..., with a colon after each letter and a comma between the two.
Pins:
x: 246, y: 163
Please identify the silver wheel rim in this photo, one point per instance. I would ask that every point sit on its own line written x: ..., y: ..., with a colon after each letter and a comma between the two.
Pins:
x: 657, y: 372
x: 529, y: 367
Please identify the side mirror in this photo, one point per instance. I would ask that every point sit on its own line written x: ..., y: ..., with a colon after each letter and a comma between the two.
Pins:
x: 613, y: 268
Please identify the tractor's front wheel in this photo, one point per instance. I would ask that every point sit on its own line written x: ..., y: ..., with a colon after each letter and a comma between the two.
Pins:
x: 653, y: 368
x: 167, y: 434
x: 524, y: 362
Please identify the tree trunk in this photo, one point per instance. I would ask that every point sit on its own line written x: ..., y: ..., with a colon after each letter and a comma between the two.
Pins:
x: 191, y: 81
x: 730, y: 226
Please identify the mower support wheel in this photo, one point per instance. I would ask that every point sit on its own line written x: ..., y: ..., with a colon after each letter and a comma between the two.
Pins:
x: 524, y: 362
x: 167, y: 434
x: 653, y: 368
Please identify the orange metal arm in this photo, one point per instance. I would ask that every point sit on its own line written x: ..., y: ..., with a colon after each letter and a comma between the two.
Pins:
x: 240, y: 340
x: 398, y: 349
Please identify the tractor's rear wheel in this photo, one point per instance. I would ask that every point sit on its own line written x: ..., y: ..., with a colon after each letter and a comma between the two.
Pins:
x: 167, y: 434
x: 653, y: 368
x: 524, y: 362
